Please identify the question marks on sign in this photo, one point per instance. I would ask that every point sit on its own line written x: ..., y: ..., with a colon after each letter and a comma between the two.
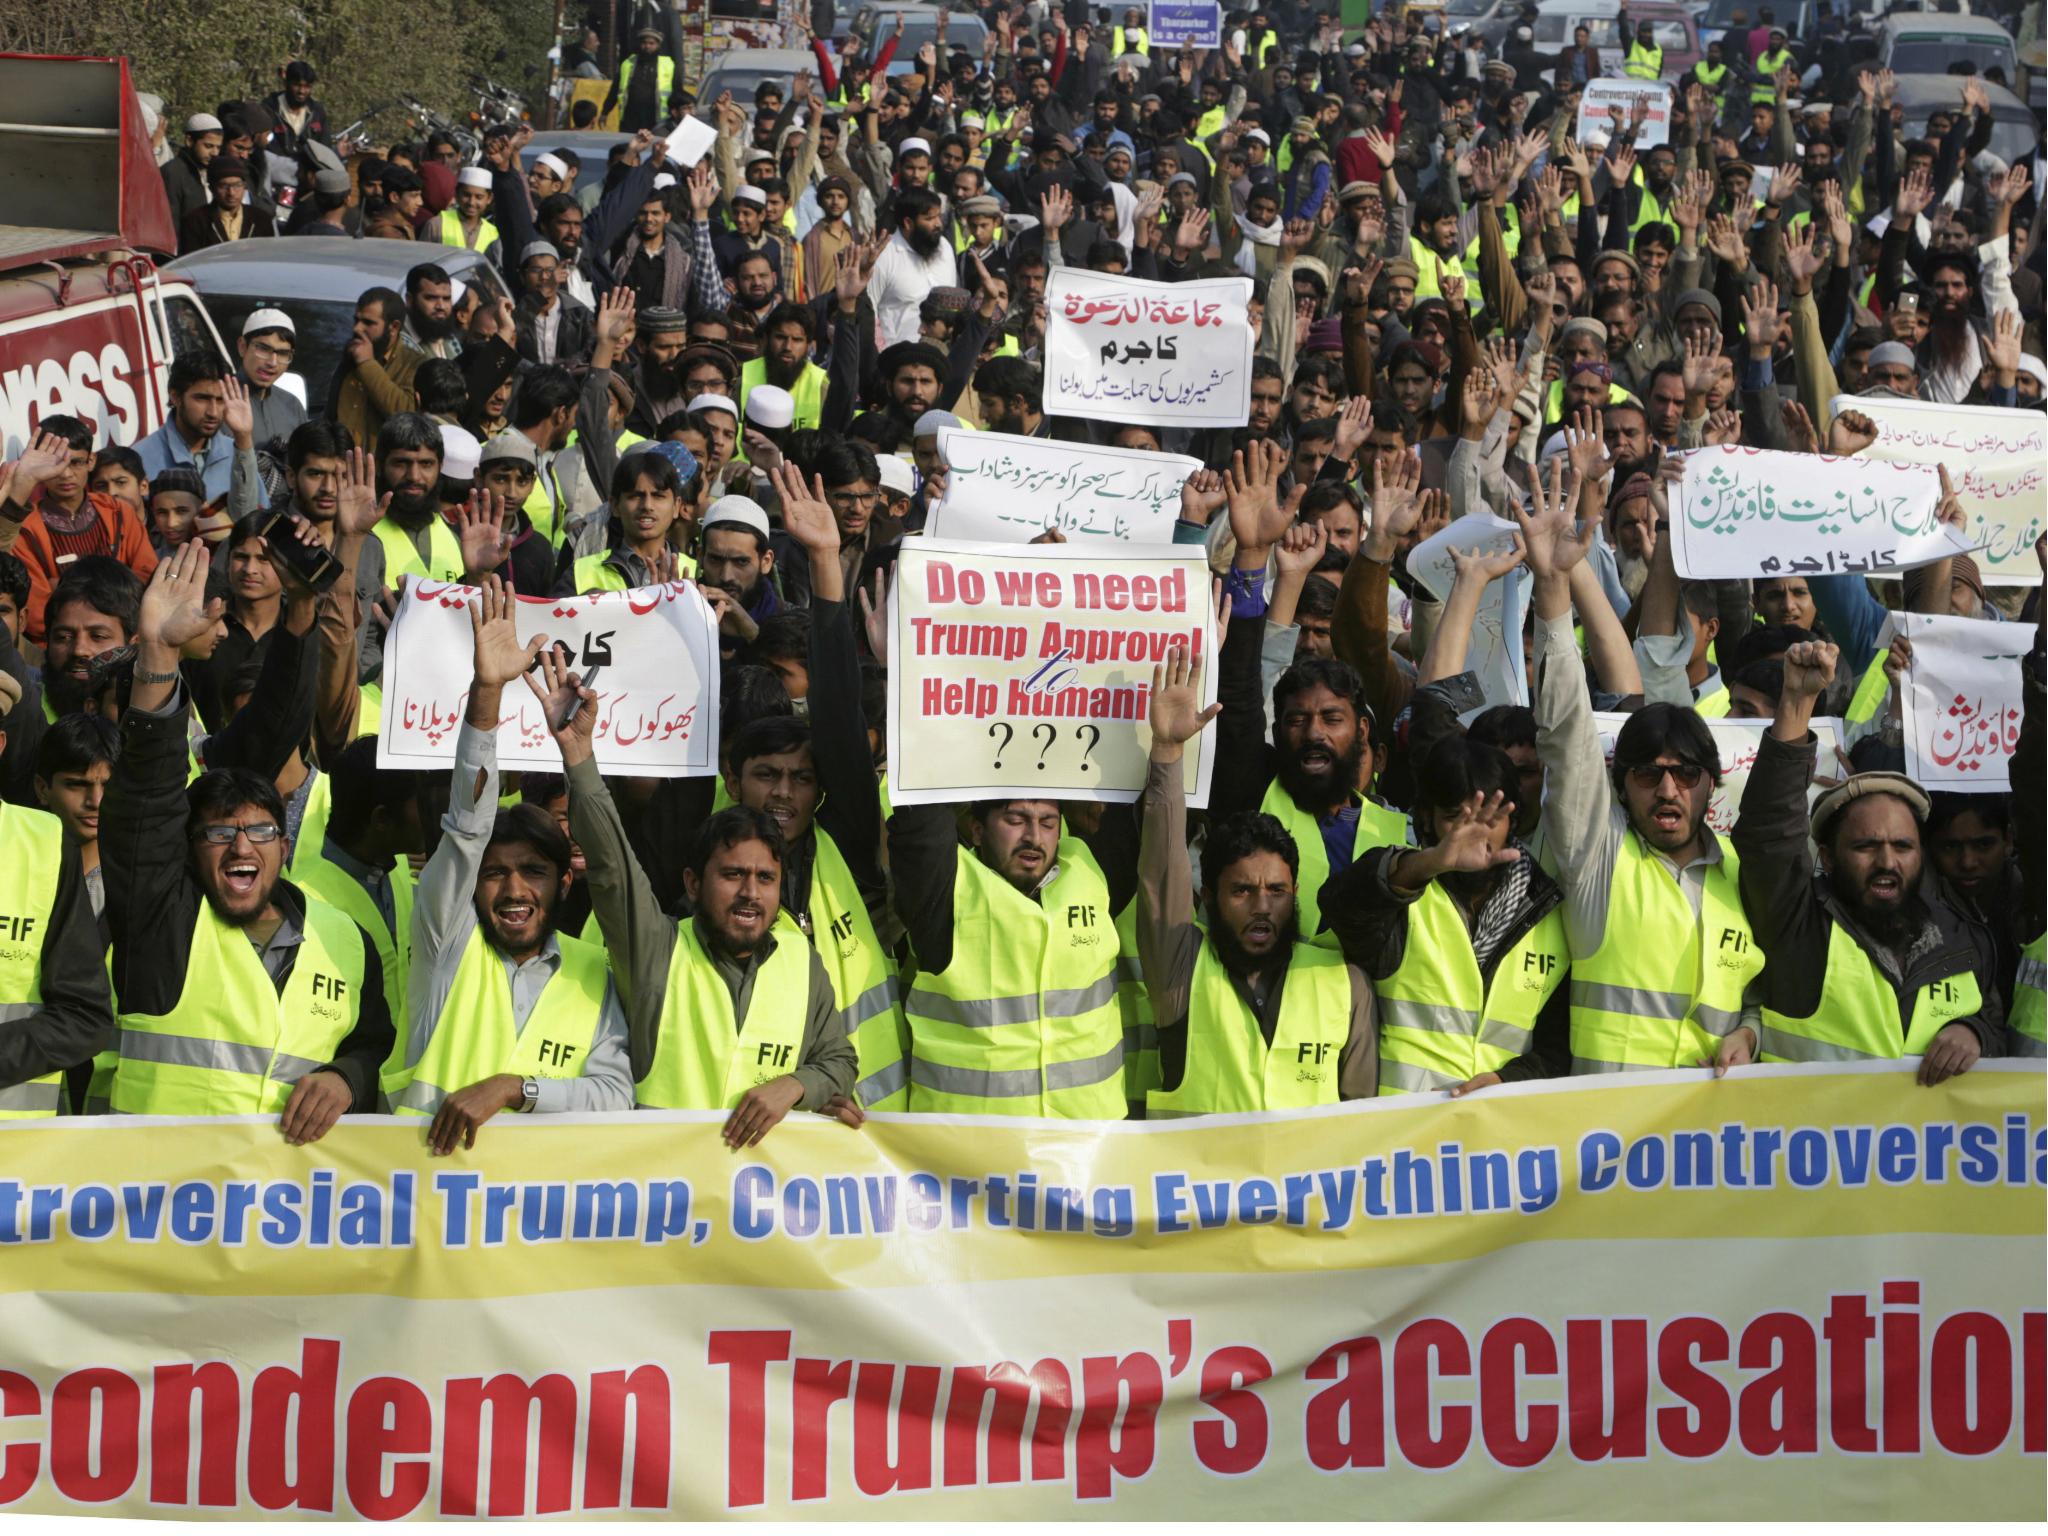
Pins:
x: 1094, y: 735
x: 1051, y: 735
x: 1003, y: 745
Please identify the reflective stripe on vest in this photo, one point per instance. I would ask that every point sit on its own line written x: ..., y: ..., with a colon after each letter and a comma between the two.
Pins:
x: 2029, y: 1026
x: 1713, y: 706
x: 1439, y: 1022
x: 1134, y: 1003
x: 1858, y: 1015
x: 1378, y: 827
x: 1024, y: 1020
x: 864, y: 985
x: 316, y: 874
x: 235, y: 1044
x: 402, y: 556
x: 808, y: 391
x: 1666, y: 984
x: 706, y: 1059
x: 1230, y: 1068
x: 474, y: 1036
x: 664, y: 75
x: 1871, y: 691
x: 31, y: 850
x: 1767, y: 66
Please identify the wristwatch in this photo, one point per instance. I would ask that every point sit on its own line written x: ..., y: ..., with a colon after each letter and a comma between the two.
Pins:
x: 529, y: 1094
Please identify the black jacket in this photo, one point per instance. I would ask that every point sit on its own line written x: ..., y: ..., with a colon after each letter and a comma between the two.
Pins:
x: 75, y: 1019
x: 1794, y: 913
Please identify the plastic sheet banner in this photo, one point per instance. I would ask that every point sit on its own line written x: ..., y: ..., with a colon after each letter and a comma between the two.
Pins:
x: 1997, y: 461
x: 1754, y: 512
x: 1961, y: 704
x: 1126, y: 350
x: 650, y: 654
x: 1796, y: 1293
x: 1025, y: 671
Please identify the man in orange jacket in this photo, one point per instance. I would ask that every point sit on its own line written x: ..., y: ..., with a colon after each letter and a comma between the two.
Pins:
x: 48, y: 518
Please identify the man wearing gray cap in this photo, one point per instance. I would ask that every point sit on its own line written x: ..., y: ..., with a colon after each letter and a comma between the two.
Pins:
x: 1871, y: 962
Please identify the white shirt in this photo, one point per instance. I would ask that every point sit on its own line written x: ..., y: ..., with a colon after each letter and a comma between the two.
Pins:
x: 901, y: 280
x: 547, y: 325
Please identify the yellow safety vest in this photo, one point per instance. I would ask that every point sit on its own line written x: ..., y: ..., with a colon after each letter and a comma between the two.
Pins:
x: 452, y: 232
x: 1510, y: 239
x: 474, y: 1036
x: 1024, y: 1020
x: 1134, y: 1002
x: 1429, y: 268
x: 402, y: 556
x: 1553, y: 399
x: 1666, y: 985
x: 1378, y: 827
x: 1715, y: 705
x: 664, y: 75
x: 596, y: 573
x: 235, y: 1044
x: 2026, y: 1016
x: 808, y: 392
x: 1129, y: 40
x: 543, y: 505
x: 1767, y: 66
x: 1230, y: 1068
x: 864, y: 985
x: 1858, y: 1016
x: 1871, y: 690
x: 316, y: 874
x: 31, y: 847
x: 1644, y: 63
x: 1440, y: 1023
x: 704, y: 1058
x: 1709, y: 75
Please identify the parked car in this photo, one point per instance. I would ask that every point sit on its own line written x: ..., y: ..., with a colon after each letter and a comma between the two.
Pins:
x: 1799, y: 18
x: 742, y: 70
x: 2013, y: 134
x: 1917, y: 43
x: 921, y: 26
x: 317, y: 283
x: 1489, y: 20
x: 591, y: 149
x: 1558, y: 20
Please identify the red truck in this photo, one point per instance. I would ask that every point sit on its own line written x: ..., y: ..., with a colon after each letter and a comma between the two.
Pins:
x: 88, y: 326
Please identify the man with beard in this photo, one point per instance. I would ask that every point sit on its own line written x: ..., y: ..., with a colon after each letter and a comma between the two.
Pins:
x: 375, y: 379
x: 1951, y: 356
x: 430, y: 327
x: 735, y: 567
x: 239, y: 995
x: 660, y: 338
x: 785, y: 362
x: 1462, y: 937
x: 412, y: 538
x: 507, y: 1013
x: 1312, y: 776
x: 912, y: 373
x: 916, y: 260
x: 1661, y: 949
x: 1871, y: 962
x: 1248, y: 1016
x: 729, y: 1008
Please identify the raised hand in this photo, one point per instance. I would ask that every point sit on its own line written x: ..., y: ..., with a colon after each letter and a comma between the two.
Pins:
x: 2002, y: 347
x: 1725, y: 241
x: 358, y: 508
x: 1850, y: 432
x: 1799, y: 428
x: 703, y: 184
x: 856, y: 266
x: 1553, y: 539
x: 569, y: 707
x: 1191, y: 235
x: 1301, y: 549
x: 239, y: 417
x: 175, y: 610
x: 1177, y: 715
x: 1760, y: 318
x: 874, y: 615
x: 1784, y: 184
x: 1480, y: 402
x: 1396, y: 503
x: 1916, y: 191
x: 1809, y: 668
x: 1202, y: 495
x: 1484, y: 565
x: 1723, y: 426
x: 806, y: 514
x: 1700, y: 356
x: 615, y: 315
x: 498, y: 655
x: 1055, y: 208
x: 1803, y: 257
x: 480, y: 528
x: 42, y: 460
x: 1583, y: 444
x: 1257, y: 520
x: 1354, y: 425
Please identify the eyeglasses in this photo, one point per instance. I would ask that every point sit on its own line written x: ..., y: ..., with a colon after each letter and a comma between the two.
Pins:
x: 1650, y: 775
x: 853, y: 501
x: 221, y: 834
x: 269, y: 353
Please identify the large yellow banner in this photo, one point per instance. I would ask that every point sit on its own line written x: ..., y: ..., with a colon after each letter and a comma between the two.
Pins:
x: 1791, y: 1293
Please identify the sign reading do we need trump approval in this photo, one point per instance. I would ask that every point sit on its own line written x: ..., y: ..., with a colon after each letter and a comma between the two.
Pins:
x: 1026, y: 670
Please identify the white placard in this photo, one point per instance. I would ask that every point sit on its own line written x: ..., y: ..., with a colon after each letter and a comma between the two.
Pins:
x: 1495, y: 650
x: 1599, y: 95
x: 1997, y: 461
x: 686, y: 145
x: 1167, y: 354
x: 1002, y: 489
x: 655, y: 655
x: 1960, y: 701
x: 1027, y: 669
x: 1752, y: 512
x: 1737, y: 742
